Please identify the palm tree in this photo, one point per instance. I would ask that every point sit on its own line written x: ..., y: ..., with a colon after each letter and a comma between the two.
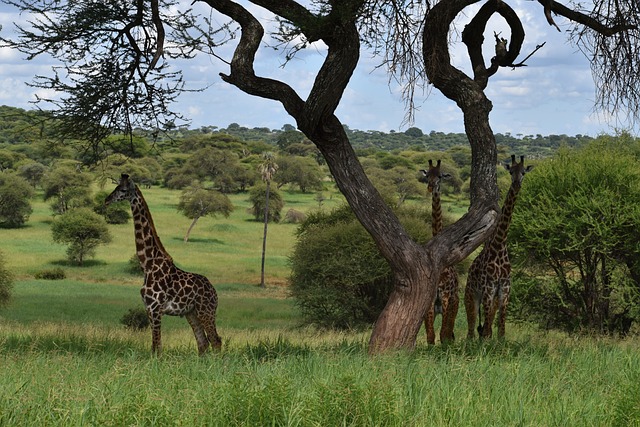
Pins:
x: 267, y: 169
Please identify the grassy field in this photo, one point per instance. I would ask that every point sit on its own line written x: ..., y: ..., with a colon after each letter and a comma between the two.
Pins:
x: 66, y: 360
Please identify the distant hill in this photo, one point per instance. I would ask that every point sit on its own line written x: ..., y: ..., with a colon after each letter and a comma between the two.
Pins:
x: 20, y: 126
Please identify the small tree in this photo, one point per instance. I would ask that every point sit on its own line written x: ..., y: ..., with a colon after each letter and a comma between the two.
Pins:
x: 575, y: 238
x: 6, y: 283
x: 196, y: 202
x: 83, y: 230
x: 15, y: 206
x: 68, y: 187
x: 301, y: 171
x: 33, y: 172
x: 267, y: 169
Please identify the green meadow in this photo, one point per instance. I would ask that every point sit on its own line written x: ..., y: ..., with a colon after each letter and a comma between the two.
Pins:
x: 65, y: 359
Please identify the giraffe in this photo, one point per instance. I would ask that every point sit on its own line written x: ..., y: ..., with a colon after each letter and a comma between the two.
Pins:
x: 489, y: 278
x: 447, y: 292
x: 167, y: 289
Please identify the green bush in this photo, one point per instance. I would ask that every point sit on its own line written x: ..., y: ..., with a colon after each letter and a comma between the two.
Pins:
x: 83, y: 230
x: 574, y: 240
x: 6, y: 283
x: 134, y: 267
x: 15, y: 207
x: 52, y: 274
x: 338, y: 278
x: 257, y: 197
x: 135, y: 319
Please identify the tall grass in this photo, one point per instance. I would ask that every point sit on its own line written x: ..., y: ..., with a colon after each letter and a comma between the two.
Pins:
x: 99, y: 376
x: 66, y: 360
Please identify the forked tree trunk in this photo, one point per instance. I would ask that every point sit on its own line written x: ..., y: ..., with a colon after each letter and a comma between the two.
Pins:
x: 415, y: 268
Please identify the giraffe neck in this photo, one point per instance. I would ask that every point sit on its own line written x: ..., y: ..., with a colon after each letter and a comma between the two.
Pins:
x: 499, y: 239
x: 148, y: 246
x: 436, y: 213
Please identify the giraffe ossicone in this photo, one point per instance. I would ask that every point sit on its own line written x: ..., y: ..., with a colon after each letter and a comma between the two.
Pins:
x: 168, y: 289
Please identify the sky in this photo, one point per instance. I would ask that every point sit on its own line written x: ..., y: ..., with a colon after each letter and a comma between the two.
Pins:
x: 553, y: 94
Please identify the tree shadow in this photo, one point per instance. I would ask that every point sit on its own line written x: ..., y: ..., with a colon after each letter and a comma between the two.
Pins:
x: 199, y: 240
x: 86, y: 263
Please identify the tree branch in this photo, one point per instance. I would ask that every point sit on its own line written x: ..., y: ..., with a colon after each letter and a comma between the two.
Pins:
x: 584, y: 19
x: 473, y: 37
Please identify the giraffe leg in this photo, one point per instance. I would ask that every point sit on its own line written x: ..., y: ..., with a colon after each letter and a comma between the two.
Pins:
x: 155, y: 318
x: 450, y: 305
x: 198, y: 331
x: 444, y: 332
x: 504, y: 301
x: 472, y: 307
x: 429, y: 318
x: 490, y: 306
x: 207, y: 316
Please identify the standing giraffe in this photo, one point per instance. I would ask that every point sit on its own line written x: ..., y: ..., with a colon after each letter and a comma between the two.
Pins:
x: 447, y: 292
x: 489, y: 279
x: 167, y: 289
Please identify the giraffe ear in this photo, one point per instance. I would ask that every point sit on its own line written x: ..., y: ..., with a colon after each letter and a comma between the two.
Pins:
x: 445, y: 175
x: 528, y: 168
x: 424, y: 172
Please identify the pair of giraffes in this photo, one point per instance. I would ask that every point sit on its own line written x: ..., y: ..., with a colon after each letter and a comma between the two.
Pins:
x: 172, y: 291
x: 489, y: 278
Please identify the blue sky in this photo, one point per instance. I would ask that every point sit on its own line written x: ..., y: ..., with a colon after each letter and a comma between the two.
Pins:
x: 553, y: 95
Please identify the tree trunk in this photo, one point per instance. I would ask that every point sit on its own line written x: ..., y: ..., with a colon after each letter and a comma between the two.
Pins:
x: 416, y: 268
x: 264, y: 235
x: 193, y: 224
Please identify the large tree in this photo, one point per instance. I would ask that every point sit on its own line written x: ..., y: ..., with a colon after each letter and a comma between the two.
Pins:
x: 116, y: 74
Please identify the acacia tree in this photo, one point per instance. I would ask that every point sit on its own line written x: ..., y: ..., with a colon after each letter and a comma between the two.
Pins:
x: 117, y: 56
x: 196, y: 202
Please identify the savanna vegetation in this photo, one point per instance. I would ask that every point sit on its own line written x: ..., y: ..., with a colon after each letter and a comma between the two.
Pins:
x: 295, y: 352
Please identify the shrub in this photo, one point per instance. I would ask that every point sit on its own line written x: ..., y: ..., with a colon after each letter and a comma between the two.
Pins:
x: 135, y: 319
x: 294, y: 217
x: 115, y: 213
x: 15, y: 207
x: 134, y: 266
x: 338, y: 277
x: 257, y: 197
x: 6, y: 283
x: 574, y: 240
x: 52, y: 274
x: 83, y: 230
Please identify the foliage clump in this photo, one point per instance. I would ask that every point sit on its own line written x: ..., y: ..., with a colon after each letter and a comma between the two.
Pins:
x: 338, y: 279
x: 135, y: 319
x: 114, y: 213
x: 83, y: 231
x: 51, y: 274
x: 15, y: 207
x: 575, y: 240
x: 6, y: 283
x: 258, y: 199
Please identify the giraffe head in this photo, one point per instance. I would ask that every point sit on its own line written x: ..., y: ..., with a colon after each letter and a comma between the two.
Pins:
x: 517, y: 170
x: 126, y: 190
x: 432, y: 176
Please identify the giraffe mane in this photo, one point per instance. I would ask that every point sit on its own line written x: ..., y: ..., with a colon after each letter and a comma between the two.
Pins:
x: 152, y: 225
